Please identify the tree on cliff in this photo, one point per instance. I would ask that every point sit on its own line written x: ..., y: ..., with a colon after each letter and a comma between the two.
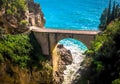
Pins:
x: 105, y: 51
x: 109, y: 14
x: 14, y: 6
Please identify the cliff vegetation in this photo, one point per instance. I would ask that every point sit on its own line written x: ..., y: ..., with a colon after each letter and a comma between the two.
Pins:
x: 105, y: 66
x: 17, y: 15
x: 21, y: 59
x: 109, y: 14
x: 22, y: 62
x: 103, y: 59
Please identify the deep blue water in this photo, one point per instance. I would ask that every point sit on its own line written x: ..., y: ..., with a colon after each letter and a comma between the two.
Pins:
x: 72, y: 14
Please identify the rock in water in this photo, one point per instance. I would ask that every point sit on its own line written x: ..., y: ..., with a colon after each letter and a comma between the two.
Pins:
x: 61, y: 58
x: 72, y: 74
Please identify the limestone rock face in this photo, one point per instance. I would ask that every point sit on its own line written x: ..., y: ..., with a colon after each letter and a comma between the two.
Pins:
x: 61, y: 58
x: 36, y: 17
x: 20, y: 22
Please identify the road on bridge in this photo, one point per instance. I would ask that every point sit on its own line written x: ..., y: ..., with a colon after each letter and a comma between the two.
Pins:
x: 89, y: 32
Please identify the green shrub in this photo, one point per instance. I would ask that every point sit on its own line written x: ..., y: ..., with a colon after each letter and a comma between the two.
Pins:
x: 14, y: 7
x: 21, y: 4
x: 23, y: 22
x: 16, y: 48
x: 117, y: 81
x: 99, y: 66
x: 1, y: 58
x: 9, y: 12
x: 21, y: 50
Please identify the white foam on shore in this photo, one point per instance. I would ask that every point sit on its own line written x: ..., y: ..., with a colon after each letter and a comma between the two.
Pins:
x: 77, y: 49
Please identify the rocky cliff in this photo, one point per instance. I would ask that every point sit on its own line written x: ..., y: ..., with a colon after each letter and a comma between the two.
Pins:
x: 22, y: 62
x: 61, y: 58
x: 16, y: 16
x: 35, y: 16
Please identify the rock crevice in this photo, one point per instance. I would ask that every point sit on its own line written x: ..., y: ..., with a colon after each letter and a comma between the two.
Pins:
x: 61, y: 58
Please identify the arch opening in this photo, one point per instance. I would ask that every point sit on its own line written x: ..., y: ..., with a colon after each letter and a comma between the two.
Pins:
x: 70, y: 42
x: 77, y: 48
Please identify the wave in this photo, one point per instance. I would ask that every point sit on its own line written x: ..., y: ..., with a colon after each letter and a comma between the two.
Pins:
x: 77, y: 49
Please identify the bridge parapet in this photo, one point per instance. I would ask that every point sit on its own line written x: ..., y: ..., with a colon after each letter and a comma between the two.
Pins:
x: 89, y: 32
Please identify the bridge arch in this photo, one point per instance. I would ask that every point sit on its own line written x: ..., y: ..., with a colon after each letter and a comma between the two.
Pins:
x: 48, y: 38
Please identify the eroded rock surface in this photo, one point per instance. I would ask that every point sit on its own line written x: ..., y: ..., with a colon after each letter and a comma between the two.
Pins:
x: 20, y: 20
x: 36, y: 17
x: 61, y: 58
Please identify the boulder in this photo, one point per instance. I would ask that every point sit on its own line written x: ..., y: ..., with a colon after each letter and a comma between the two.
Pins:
x: 64, y: 58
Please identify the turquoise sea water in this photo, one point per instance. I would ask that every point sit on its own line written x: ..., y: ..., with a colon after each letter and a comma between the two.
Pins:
x: 72, y: 14
x: 68, y: 42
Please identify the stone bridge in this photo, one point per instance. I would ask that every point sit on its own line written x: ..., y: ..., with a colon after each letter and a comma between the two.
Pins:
x: 48, y: 38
